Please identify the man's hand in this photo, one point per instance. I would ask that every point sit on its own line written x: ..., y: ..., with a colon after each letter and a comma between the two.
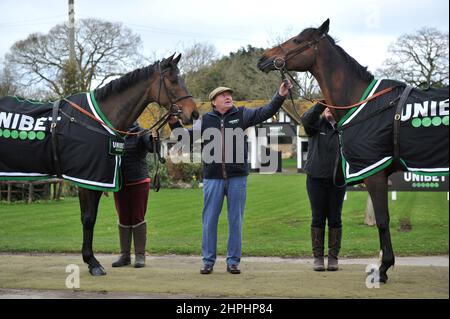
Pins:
x: 154, y: 134
x: 285, y: 86
x: 172, y: 119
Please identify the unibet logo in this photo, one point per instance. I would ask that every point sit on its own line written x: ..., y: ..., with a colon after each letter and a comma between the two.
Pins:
x: 23, y: 127
x: 426, y: 114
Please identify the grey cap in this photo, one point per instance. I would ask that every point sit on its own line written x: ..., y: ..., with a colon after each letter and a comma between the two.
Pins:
x: 218, y: 91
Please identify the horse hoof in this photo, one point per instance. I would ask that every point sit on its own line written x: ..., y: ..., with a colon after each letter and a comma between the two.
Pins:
x: 97, y: 271
x: 383, y: 278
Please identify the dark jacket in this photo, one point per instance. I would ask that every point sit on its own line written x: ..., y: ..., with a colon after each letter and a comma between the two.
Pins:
x: 236, y: 117
x: 134, y: 165
x: 323, y: 145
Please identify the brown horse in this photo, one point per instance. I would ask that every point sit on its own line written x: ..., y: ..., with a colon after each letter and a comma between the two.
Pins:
x: 120, y: 103
x: 342, y: 81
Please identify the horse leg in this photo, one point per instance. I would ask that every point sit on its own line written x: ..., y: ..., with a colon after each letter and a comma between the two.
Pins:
x: 378, y: 190
x: 89, y: 200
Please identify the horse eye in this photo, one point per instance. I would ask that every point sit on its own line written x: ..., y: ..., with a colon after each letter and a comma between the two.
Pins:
x: 297, y: 41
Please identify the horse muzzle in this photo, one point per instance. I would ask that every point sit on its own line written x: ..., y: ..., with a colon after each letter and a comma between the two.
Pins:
x: 266, y: 64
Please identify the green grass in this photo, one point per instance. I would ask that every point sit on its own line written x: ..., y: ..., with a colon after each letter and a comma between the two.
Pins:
x: 290, y: 164
x: 277, y: 222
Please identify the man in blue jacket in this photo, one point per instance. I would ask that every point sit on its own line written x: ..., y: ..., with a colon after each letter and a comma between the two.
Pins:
x: 225, y: 168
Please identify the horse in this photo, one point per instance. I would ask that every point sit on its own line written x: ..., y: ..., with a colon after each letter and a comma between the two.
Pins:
x: 343, y: 81
x: 120, y: 103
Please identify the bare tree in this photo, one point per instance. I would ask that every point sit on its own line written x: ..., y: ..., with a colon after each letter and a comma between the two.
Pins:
x: 103, y: 50
x: 7, y: 83
x: 197, y: 56
x: 419, y: 59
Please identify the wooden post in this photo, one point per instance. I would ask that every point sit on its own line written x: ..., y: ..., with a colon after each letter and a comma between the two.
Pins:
x: 30, y: 193
x: 370, y: 213
x: 58, y: 193
x: 8, y: 194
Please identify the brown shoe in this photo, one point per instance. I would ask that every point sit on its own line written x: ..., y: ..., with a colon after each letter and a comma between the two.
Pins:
x: 233, y: 269
x: 206, y: 269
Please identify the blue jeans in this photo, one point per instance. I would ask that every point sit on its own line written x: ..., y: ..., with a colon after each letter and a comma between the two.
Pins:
x: 214, y: 191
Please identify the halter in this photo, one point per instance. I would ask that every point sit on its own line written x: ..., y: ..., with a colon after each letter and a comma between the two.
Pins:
x: 294, y: 52
x: 174, y: 109
x: 279, y: 64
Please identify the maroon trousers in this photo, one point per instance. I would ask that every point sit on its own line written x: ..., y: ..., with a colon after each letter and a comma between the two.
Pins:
x: 131, y: 203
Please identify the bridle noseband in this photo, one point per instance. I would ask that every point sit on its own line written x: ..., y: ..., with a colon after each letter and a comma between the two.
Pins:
x: 174, y: 109
x: 294, y: 52
x: 279, y: 63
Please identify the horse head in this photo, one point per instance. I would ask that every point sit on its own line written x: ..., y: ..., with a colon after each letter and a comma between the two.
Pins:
x: 296, y: 54
x: 169, y: 90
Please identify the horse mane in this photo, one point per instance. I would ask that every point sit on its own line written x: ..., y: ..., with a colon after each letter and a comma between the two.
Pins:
x: 124, y: 82
x: 361, y: 71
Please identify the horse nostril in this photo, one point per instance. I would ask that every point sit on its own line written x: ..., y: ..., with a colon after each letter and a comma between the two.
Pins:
x: 195, y: 115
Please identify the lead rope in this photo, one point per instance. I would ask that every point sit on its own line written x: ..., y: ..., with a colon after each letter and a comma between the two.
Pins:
x: 156, y: 182
x: 336, y: 163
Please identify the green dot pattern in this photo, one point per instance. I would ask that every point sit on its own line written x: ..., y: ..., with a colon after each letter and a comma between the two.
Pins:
x: 416, y: 122
x: 428, y: 121
x: 445, y: 120
x: 31, y: 135
x: 40, y: 136
x: 436, y: 121
x: 22, y: 135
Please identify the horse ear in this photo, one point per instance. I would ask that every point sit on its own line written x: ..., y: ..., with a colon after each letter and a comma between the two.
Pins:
x: 325, y: 27
x: 177, y: 59
x: 169, y: 59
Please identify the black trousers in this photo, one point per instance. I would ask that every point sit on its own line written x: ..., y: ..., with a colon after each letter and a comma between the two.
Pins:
x: 326, y: 202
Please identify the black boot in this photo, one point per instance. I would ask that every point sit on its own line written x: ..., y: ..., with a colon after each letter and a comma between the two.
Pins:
x: 334, y: 245
x: 140, y: 239
x: 317, y: 239
x: 125, y: 246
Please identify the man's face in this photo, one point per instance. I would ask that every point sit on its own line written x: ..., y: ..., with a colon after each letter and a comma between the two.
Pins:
x: 223, y: 101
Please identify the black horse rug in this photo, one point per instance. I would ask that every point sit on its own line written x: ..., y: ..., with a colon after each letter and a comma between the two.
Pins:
x: 88, y: 152
x: 366, y: 132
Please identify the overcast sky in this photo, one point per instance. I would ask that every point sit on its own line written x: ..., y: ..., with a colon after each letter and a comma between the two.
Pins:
x: 363, y: 28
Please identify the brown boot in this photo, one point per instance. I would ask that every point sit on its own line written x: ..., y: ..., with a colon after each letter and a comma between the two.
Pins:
x: 140, y: 239
x: 317, y: 239
x: 334, y: 245
x: 125, y: 246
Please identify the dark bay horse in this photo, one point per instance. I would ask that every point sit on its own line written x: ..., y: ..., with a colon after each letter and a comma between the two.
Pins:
x: 120, y: 102
x: 342, y: 81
